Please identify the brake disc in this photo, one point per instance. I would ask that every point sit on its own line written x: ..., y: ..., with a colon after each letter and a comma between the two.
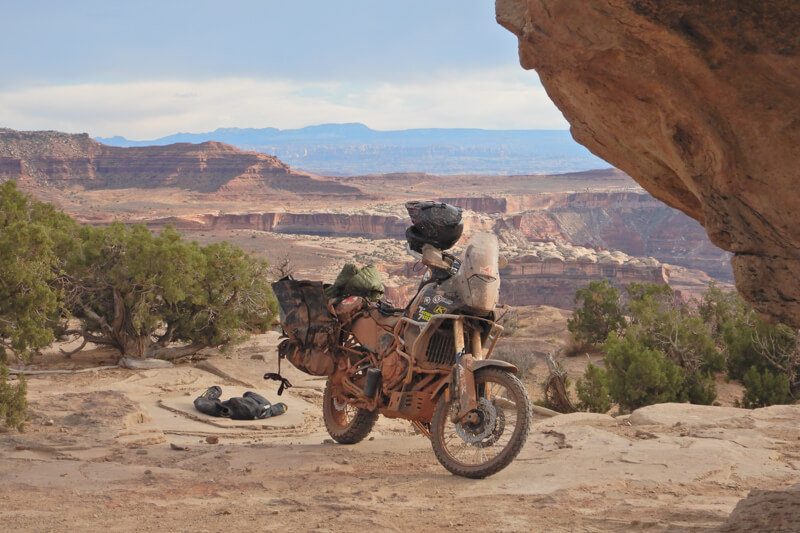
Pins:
x: 339, y: 405
x: 474, y: 433
x: 497, y: 432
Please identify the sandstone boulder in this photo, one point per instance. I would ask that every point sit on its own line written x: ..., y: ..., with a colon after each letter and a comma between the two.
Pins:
x: 697, y: 101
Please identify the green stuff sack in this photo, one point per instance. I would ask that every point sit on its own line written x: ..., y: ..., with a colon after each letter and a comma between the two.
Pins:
x: 366, y: 283
x: 337, y: 289
x: 353, y: 281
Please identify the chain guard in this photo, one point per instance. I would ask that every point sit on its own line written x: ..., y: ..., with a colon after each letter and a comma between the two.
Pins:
x: 474, y: 434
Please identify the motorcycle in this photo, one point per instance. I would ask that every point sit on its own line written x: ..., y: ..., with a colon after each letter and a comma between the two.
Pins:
x: 430, y: 363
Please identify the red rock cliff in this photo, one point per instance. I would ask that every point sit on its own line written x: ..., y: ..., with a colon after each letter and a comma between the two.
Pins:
x: 699, y: 102
x: 342, y: 224
x: 64, y: 160
x: 631, y: 221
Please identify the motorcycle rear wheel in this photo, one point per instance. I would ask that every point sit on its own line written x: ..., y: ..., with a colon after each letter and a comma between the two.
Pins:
x: 349, y: 424
x: 485, y: 448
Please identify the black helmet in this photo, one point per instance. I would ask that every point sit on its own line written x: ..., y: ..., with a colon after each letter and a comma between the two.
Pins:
x: 434, y: 223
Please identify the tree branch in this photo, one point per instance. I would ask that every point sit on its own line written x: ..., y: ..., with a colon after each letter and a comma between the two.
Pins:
x: 70, y: 353
x: 170, y: 354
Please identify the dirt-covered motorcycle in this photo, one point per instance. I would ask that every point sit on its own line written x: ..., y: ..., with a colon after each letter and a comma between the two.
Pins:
x: 429, y: 363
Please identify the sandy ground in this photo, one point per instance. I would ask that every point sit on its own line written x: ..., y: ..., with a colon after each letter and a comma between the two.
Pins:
x: 122, y: 450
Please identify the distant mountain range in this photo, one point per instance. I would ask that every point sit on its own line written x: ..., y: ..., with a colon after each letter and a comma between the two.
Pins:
x: 352, y: 149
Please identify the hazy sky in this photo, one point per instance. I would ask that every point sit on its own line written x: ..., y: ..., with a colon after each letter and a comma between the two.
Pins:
x: 145, y: 69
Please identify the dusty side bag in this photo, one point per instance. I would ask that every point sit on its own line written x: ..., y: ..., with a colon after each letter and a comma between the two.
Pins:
x: 312, y: 331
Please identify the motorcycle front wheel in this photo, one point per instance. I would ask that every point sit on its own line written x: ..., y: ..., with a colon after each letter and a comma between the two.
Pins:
x: 480, y: 449
x: 346, y: 424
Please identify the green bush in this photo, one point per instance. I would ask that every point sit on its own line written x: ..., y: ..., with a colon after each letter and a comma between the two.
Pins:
x: 699, y: 388
x: 138, y: 292
x: 13, y: 405
x: 752, y: 342
x: 34, y: 238
x: 670, y: 350
x: 764, y: 387
x: 597, y: 313
x: 717, y: 307
x: 639, y: 375
x: 592, y: 389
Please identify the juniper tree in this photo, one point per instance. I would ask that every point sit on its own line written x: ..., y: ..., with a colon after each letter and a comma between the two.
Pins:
x: 598, y: 313
x: 140, y: 293
x: 34, y: 238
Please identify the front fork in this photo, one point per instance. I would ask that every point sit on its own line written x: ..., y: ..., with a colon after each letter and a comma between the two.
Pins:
x: 463, y: 379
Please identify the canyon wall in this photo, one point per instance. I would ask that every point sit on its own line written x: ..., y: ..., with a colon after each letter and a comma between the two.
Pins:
x: 699, y: 102
x: 548, y: 274
x: 61, y: 160
x: 630, y: 221
x: 341, y: 224
x: 556, y: 200
x: 530, y: 280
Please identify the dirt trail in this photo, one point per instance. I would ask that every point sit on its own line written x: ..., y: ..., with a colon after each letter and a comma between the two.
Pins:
x: 100, y: 454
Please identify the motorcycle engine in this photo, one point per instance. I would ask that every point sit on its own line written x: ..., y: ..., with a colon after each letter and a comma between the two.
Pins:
x: 393, y: 368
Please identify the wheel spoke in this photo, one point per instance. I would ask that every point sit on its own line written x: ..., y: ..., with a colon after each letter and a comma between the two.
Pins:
x: 503, y: 408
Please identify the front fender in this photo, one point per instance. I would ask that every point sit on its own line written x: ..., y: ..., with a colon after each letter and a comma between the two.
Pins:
x: 477, y: 365
x: 481, y: 363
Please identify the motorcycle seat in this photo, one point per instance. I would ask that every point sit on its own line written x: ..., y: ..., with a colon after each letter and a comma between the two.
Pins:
x: 387, y: 309
x: 383, y: 319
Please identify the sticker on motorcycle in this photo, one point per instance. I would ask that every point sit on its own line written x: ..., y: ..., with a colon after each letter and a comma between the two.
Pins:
x: 439, y: 298
x: 440, y: 310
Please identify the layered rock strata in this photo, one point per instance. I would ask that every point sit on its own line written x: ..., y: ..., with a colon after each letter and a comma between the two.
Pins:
x: 544, y: 274
x: 699, y: 102
x: 630, y: 221
x: 336, y: 224
x: 61, y: 160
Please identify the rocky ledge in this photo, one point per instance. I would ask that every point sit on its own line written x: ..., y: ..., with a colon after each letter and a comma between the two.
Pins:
x: 699, y: 102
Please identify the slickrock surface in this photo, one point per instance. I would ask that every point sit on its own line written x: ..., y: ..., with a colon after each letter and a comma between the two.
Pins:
x: 124, y: 450
x: 699, y: 102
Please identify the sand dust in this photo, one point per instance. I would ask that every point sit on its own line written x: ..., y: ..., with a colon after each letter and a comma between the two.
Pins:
x: 122, y: 450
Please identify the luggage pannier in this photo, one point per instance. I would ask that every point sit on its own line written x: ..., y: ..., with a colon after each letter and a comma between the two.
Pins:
x: 312, y: 331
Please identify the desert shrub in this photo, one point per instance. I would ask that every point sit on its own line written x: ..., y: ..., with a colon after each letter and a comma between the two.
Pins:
x: 718, y: 333
x: 752, y: 342
x: 700, y: 388
x: 639, y: 375
x: 511, y: 323
x: 592, y: 390
x: 13, y: 404
x: 645, y: 299
x: 555, y: 389
x: 665, y: 324
x: 34, y: 238
x: 575, y: 347
x: 597, y: 313
x: 764, y: 387
x: 718, y: 307
x: 138, y: 292
x: 517, y: 355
